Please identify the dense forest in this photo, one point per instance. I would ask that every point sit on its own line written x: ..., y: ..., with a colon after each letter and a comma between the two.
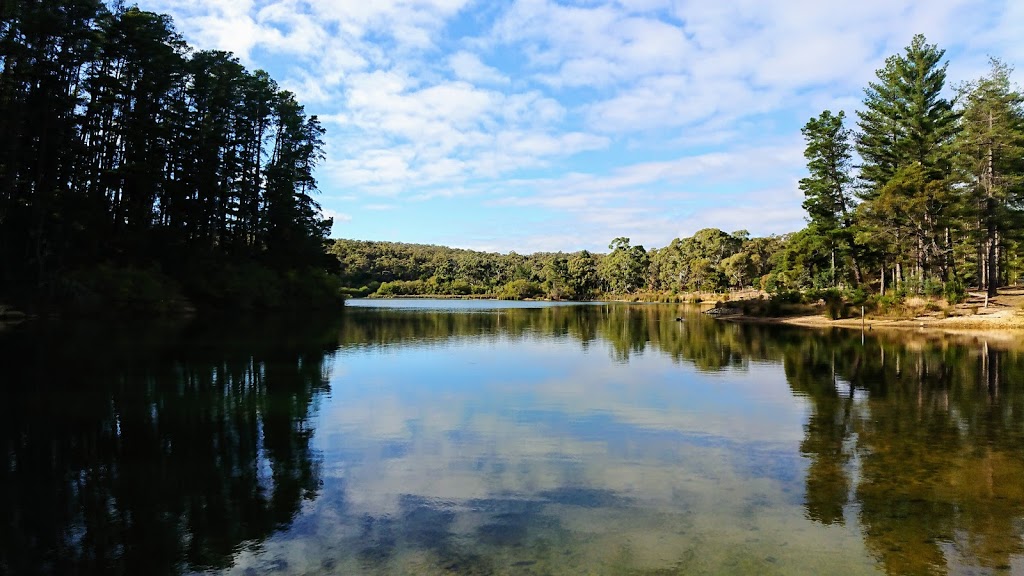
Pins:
x: 925, y: 196
x: 709, y: 261
x: 136, y: 172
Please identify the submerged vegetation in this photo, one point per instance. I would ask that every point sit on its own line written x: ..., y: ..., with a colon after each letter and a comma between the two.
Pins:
x: 136, y: 173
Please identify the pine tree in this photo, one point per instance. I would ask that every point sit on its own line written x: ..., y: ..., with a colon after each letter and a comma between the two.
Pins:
x: 827, y: 190
x: 122, y: 149
x: 991, y: 154
x: 906, y: 134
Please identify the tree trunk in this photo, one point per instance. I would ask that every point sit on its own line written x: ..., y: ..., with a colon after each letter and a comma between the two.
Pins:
x: 833, y: 266
x: 990, y: 219
x: 992, y: 255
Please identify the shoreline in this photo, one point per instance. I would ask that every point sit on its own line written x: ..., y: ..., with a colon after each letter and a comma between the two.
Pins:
x: 1002, y: 324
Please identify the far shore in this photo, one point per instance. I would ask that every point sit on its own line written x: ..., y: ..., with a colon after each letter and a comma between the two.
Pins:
x: 1002, y: 319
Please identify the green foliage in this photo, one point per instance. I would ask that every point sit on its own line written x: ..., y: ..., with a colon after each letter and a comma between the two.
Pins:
x: 108, y: 289
x: 856, y: 296
x: 361, y: 292
x: 123, y: 150
x: 991, y: 161
x: 891, y: 303
x: 712, y: 260
x: 251, y: 286
x: 520, y: 290
x: 907, y: 130
x: 829, y: 158
x: 582, y: 279
x: 954, y: 291
x: 835, y: 305
x: 828, y: 200
x: 624, y: 269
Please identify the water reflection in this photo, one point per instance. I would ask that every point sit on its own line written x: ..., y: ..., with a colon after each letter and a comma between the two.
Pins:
x: 598, y: 439
x: 932, y: 439
x: 156, y: 451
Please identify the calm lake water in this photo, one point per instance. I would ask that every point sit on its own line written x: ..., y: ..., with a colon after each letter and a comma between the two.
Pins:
x: 450, y: 437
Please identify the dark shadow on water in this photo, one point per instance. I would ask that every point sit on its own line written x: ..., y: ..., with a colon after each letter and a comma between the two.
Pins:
x: 153, y: 450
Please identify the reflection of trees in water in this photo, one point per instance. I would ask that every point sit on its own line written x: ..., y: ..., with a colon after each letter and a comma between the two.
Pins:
x: 153, y: 452
x: 174, y: 449
x: 628, y: 329
x: 937, y: 441
x: 935, y: 431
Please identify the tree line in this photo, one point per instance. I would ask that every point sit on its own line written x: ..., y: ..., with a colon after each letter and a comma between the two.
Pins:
x: 711, y: 260
x: 926, y: 196
x: 134, y: 168
x: 937, y: 200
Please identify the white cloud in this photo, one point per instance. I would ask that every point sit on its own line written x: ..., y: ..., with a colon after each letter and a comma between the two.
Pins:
x: 468, y: 67
x: 337, y: 216
x: 645, y: 117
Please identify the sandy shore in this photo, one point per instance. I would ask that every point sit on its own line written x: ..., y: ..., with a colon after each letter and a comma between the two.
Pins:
x: 998, y: 320
x: 1003, y: 319
x: 1001, y: 327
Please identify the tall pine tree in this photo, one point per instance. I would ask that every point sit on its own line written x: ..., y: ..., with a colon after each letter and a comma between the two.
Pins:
x: 828, y: 200
x: 991, y: 155
x: 906, y: 134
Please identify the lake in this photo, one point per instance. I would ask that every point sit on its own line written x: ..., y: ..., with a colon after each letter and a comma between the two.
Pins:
x: 469, y: 437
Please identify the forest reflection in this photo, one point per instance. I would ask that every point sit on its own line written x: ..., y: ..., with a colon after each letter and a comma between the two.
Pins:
x: 916, y: 438
x: 172, y: 449
x: 935, y: 433
x: 154, y: 451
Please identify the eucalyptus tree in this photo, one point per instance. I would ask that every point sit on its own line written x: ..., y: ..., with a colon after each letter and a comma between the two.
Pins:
x: 624, y: 269
x: 581, y: 275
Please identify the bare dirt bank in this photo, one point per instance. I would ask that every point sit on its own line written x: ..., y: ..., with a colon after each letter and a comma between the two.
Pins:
x: 1002, y: 319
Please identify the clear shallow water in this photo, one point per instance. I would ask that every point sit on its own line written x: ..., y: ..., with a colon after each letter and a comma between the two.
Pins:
x: 478, y: 438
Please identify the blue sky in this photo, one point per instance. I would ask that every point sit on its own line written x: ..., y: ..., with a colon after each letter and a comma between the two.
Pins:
x: 544, y: 125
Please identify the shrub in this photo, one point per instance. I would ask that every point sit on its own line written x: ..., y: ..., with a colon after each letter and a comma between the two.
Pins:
x: 891, y: 303
x: 520, y: 289
x: 835, y: 308
x: 933, y: 287
x: 461, y: 288
x: 955, y: 292
x: 787, y: 297
x: 856, y: 296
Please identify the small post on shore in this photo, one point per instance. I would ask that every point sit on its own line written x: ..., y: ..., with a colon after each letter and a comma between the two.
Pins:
x: 862, y: 318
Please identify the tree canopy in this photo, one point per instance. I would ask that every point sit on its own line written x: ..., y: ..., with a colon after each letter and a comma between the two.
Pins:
x: 124, y: 150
